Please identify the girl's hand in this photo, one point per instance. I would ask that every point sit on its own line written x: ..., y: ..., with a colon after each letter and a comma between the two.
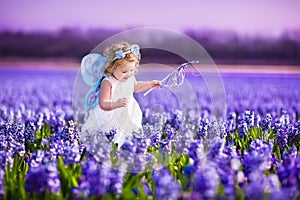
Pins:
x: 155, y: 84
x: 121, y: 103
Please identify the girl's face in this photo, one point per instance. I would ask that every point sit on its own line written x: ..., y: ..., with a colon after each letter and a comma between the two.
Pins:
x: 124, y: 72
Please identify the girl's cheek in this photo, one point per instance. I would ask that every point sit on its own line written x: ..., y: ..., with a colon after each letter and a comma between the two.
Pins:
x: 128, y: 75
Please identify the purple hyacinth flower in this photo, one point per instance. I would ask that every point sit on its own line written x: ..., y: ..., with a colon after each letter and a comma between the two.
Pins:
x: 205, y: 182
x: 166, y: 187
x: 43, y: 178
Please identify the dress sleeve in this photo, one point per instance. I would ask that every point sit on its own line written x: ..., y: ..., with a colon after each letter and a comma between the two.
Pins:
x: 108, y: 79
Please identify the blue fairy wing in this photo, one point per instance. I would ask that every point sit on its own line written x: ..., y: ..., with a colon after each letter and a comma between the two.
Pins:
x: 92, y: 73
x: 92, y: 68
x: 91, y: 99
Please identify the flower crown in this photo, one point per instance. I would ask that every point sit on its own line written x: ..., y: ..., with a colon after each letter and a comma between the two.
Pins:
x: 134, y: 48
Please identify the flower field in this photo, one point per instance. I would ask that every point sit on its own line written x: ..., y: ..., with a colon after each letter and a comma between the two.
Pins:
x: 252, y: 153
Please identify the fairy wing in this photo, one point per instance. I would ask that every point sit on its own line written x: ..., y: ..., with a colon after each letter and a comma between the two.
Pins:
x: 92, y: 68
x: 91, y: 98
x: 92, y: 73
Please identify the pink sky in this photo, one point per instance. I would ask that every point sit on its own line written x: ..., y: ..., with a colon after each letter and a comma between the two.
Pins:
x: 269, y: 17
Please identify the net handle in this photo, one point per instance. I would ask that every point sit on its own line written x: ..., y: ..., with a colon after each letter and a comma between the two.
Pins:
x: 148, y: 91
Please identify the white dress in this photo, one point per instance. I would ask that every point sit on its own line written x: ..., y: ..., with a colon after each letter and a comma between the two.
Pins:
x: 125, y: 120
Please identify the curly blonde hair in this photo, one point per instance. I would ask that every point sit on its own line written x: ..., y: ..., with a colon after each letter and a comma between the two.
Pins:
x: 112, y: 63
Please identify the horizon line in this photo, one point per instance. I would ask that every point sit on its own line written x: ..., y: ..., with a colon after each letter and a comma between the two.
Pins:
x: 125, y: 28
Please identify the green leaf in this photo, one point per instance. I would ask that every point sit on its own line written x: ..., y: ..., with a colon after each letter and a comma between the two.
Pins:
x: 277, y: 151
x: 68, y: 177
x: 14, y: 179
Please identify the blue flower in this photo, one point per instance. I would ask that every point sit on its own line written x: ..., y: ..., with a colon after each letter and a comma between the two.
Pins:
x: 266, y: 123
x: 43, y: 178
x: 260, y: 186
x: 166, y: 187
x: 231, y: 122
x: 259, y: 158
x: 176, y: 119
x: 281, y: 131
x: 170, y: 131
x: 2, y: 187
x: 289, y: 170
x: 97, y: 180
x: 205, y: 182
x: 202, y: 130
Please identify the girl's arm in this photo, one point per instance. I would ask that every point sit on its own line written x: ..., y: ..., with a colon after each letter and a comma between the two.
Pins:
x: 105, y: 101
x: 141, y: 86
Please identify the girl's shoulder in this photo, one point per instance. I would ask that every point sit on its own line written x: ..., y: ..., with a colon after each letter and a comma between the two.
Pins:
x: 111, y: 80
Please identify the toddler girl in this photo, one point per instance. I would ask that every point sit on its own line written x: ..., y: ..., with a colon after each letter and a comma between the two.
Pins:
x: 118, y: 108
